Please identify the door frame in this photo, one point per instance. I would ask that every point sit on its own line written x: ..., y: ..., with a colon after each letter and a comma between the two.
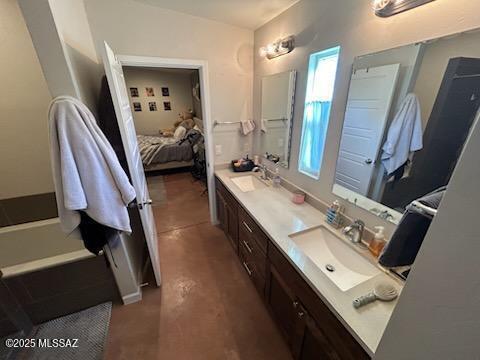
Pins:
x: 202, y: 67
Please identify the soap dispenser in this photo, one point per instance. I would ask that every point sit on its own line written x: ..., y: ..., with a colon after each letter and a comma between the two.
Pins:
x: 378, y: 241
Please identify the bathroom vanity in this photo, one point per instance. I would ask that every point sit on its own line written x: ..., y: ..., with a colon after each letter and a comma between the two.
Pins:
x: 273, y: 240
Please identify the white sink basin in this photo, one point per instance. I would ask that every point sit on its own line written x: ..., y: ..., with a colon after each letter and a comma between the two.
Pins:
x: 248, y: 183
x: 337, y: 260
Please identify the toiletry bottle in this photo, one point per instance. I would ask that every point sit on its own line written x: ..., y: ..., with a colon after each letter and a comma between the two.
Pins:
x: 378, y: 241
x: 276, y: 178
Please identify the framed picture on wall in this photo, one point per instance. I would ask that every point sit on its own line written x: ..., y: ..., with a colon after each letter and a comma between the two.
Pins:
x: 150, y: 91
x: 167, y: 106
x: 165, y: 91
x: 137, y: 106
x: 152, y: 106
x: 134, y: 92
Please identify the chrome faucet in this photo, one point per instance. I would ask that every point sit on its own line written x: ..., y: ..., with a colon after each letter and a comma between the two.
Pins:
x: 263, y: 169
x: 354, y: 232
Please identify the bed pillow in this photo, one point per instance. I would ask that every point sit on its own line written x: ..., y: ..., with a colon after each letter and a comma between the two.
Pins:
x: 179, y: 133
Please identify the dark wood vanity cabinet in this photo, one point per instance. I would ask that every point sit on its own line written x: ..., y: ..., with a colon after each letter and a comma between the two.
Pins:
x: 227, y: 213
x: 309, y: 327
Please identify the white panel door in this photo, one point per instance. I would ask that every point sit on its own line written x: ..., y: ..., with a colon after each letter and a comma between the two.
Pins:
x: 369, y: 100
x: 121, y: 102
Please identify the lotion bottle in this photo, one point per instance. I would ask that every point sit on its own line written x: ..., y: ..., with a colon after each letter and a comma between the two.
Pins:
x: 378, y: 241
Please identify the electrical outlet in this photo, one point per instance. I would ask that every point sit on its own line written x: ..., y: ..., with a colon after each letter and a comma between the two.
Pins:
x: 218, y: 149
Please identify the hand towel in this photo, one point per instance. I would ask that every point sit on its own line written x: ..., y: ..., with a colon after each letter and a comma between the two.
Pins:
x: 247, y: 127
x: 87, y: 174
x: 404, y: 135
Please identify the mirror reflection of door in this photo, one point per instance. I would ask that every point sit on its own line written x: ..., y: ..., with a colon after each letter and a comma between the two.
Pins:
x: 443, y: 78
x: 369, y: 99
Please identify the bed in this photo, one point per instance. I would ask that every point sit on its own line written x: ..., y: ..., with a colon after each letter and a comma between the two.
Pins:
x: 161, y: 153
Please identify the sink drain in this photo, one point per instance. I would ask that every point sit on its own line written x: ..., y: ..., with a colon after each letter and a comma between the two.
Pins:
x: 330, y: 267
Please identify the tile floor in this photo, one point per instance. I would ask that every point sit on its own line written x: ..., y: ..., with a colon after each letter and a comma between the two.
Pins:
x: 207, y: 308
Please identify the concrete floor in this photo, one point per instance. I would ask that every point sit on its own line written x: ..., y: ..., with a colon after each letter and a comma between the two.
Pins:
x: 207, y: 308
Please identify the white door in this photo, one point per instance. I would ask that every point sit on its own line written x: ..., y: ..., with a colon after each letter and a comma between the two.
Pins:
x: 121, y: 102
x: 369, y: 100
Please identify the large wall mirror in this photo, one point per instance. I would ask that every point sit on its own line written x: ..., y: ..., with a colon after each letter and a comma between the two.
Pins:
x: 409, y: 112
x: 278, y: 93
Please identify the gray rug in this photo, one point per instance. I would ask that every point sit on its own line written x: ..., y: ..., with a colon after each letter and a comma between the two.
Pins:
x: 89, y: 326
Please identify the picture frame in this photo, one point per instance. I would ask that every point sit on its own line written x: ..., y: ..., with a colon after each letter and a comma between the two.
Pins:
x: 150, y: 92
x: 152, y: 105
x: 165, y: 91
x: 137, y: 106
x: 134, y: 92
x: 167, y: 106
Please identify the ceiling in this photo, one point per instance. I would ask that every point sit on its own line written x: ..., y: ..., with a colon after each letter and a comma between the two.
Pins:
x: 250, y: 14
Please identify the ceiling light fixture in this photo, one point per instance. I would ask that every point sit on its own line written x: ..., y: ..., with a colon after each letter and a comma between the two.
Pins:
x: 386, y: 8
x: 277, y: 48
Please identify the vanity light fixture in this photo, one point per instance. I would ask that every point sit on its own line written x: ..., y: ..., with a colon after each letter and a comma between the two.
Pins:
x: 278, y: 48
x: 386, y: 8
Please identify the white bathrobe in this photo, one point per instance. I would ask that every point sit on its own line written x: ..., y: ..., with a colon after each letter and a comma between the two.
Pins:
x: 404, y: 135
x: 87, y: 173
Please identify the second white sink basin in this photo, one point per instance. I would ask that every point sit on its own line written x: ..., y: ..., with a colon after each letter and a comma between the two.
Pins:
x: 248, y: 183
x: 337, y: 260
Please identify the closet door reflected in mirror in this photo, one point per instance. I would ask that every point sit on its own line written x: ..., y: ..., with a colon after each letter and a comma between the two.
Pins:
x: 278, y: 93
x: 409, y: 112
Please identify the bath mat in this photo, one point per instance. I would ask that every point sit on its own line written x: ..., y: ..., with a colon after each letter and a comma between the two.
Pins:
x: 89, y: 326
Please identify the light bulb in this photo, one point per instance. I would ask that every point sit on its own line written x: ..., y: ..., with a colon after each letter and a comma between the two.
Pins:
x: 380, y: 4
x: 262, y: 51
x: 271, y: 48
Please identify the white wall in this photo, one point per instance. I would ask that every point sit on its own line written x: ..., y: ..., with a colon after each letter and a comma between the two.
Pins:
x: 437, y: 316
x: 318, y: 25
x: 135, y: 28
x: 179, y: 84
x: 435, y: 61
x: 74, y: 30
x: 24, y: 154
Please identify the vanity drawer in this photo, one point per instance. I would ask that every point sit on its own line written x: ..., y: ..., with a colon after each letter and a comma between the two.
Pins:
x: 253, y: 252
x: 248, y: 226
x: 252, y: 270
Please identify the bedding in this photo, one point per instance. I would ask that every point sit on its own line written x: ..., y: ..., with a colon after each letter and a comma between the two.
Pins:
x: 159, y: 149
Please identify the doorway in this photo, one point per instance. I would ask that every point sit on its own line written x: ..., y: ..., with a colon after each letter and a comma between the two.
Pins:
x: 114, y: 65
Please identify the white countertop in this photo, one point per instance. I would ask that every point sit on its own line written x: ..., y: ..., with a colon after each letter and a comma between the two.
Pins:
x: 279, y: 217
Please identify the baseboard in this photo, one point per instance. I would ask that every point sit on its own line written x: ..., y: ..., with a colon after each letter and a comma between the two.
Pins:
x: 132, y: 298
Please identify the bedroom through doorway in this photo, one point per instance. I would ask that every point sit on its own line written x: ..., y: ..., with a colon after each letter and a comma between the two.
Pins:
x: 167, y: 111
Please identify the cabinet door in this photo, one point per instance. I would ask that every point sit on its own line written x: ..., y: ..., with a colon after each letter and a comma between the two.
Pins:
x: 221, y: 211
x: 309, y: 342
x: 280, y: 303
x: 232, y: 225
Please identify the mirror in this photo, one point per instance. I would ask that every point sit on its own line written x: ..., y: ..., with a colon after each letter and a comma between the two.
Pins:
x: 278, y: 93
x: 409, y: 112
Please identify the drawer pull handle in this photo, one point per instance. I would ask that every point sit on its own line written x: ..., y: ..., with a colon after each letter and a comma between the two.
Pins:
x: 247, y: 268
x: 247, y: 246
x: 301, y: 314
x: 248, y: 227
x: 295, y: 304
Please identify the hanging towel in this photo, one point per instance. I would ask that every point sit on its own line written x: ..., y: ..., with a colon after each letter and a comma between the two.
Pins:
x: 404, y: 135
x: 86, y: 172
x: 247, y: 127
x: 263, y: 125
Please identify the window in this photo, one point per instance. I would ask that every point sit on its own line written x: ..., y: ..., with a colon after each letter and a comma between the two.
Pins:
x: 322, y: 69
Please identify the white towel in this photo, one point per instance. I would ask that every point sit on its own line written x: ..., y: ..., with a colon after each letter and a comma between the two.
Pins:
x: 404, y: 135
x: 264, y: 125
x: 86, y: 171
x: 247, y: 127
